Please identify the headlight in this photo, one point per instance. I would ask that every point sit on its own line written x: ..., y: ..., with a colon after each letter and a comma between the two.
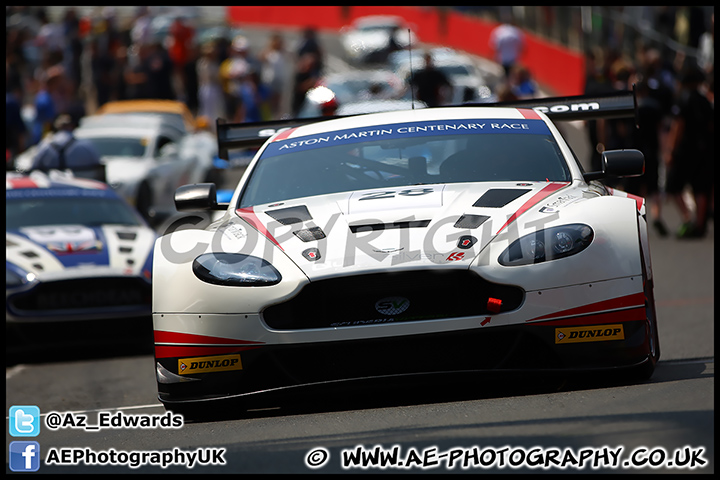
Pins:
x: 548, y: 244
x: 15, y: 276
x: 235, y: 269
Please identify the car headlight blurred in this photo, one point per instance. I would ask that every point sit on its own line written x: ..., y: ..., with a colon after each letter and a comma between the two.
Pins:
x: 548, y: 244
x: 235, y: 269
x: 15, y: 276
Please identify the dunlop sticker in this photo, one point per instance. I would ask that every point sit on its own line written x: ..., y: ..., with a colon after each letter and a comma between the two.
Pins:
x: 222, y: 363
x: 597, y: 333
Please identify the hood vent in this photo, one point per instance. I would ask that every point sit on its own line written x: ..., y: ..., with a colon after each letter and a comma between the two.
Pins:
x: 290, y: 215
x: 470, y: 221
x: 499, y: 197
x: 310, y: 234
x: 387, y: 226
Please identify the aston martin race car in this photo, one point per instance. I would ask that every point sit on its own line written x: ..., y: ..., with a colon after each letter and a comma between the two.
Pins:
x: 77, y: 257
x: 450, y: 239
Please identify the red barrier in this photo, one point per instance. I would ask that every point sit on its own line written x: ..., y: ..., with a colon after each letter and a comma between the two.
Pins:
x: 556, y: 68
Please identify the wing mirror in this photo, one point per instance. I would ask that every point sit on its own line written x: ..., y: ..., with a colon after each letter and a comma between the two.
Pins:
x: 619, y: 163
x: 198, y: 196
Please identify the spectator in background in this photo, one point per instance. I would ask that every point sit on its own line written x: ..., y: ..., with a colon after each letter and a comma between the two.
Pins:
x: 102, y: 65
x: 307, y: 75
x: 210, y: 92
x: 136, y: 73
x: 508, y: 43
x: 522, y: 83
x: 431, y: 85
x: 15, y: 129
x: 691, y: 152
x: 254, y: 97
x: 617, y: 134
x: 118, y: 85
x: 706, y: 48
x: 274, y: 61
x: 62, y: 151
x: 159, y: 71
x: 180, y: 41
x: 140, y: 34
x: 73, y: 47
x: 45, y: 111
x: 233, y: 71
x: 190, y: 76
x: 505, y: 93
x: 309, y: 44
x: 647, y: 140
x: 61, y: 89
x: 597, y: 81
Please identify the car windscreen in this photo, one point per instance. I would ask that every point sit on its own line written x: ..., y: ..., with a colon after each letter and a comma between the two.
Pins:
x: 414, y: 153
x: 40, y: 210
x: 120, y: 146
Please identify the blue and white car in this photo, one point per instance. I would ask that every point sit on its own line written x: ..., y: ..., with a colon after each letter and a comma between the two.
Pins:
x: 75, y: 252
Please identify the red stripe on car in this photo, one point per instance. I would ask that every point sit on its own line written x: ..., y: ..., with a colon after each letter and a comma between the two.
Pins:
x: 636, y: 300
x: 635, y: 314
x: 638, y: 200
x: 529, y: 113
x: 162, y: 336
x: 22, y: 183
x: 545, y: 192
x: 284, y: 135
x: 248, y: 214
x: 192, y: 345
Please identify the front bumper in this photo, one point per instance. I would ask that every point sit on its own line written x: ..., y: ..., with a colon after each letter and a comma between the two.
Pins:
x: 515, y: 348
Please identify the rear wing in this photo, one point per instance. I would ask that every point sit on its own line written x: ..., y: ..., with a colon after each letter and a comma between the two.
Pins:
x: 579, y: 107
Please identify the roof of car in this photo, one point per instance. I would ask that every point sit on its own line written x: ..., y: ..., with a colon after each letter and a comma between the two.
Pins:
x: 23, y: 185
x: 122, y: 124
x: 149, y: 106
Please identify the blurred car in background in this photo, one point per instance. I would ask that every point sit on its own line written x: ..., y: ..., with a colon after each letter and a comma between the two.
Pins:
x: 353, y: 87
x: 169, y: 109
x: 372, y: 38
x: 377, y: 106
x: 78, y: 257
x: 469, y: 84
x: 142, y: 159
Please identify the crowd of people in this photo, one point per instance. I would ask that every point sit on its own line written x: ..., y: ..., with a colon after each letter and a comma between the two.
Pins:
x: 71, y: 66
x: 74, y: 65
x: 675, y: 98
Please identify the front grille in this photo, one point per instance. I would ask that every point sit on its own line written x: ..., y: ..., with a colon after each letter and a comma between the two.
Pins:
x: 83, y: 294
x: 390, y: 297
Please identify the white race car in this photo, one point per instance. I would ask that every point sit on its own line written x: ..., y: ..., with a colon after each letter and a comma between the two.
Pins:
x: 463, y: 238
x: 370, y: 39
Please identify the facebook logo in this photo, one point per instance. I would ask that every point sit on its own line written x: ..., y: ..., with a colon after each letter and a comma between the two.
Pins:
x: 24, y: 456
x: 24, y: 421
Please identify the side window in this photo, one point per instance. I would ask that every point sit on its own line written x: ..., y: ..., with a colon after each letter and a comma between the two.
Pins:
x: 161, y: 142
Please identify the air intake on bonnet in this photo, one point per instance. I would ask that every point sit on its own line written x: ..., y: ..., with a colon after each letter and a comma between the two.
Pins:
x: 499, y: 197
x: 387, y: 226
